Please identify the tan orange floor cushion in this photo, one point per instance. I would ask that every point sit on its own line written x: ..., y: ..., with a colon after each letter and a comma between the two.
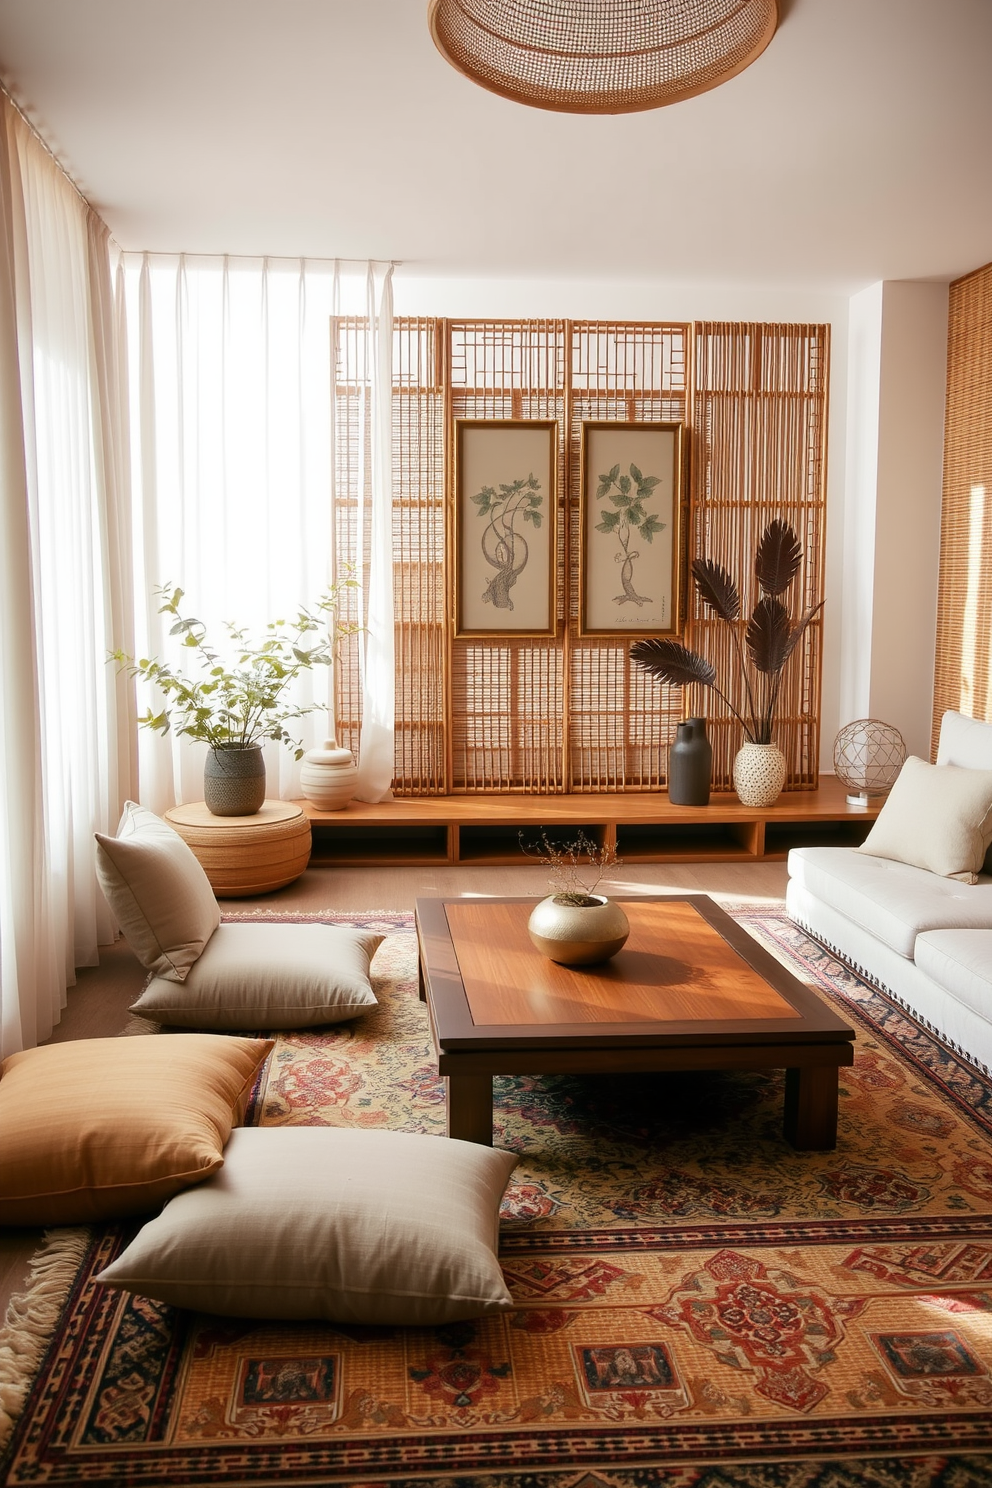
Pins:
x: 104, y: 1128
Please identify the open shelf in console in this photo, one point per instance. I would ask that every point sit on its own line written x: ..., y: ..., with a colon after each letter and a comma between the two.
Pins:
x: 411, y: 844
x: 661, y: 841
x: 479, y: 843
x: 780, y: 837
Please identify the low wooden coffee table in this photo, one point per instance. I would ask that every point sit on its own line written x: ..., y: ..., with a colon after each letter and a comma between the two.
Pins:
x: 690, y: 990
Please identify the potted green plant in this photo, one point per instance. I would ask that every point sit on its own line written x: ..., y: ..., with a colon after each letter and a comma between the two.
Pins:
x: 761, y: 646
x: 234, y: 705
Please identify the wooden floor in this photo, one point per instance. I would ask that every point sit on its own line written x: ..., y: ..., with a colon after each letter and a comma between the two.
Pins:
x: 98, y: 1004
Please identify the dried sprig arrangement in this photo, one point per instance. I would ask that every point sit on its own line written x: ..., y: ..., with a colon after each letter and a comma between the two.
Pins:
x: 573, y: 864
x: 770, y: 636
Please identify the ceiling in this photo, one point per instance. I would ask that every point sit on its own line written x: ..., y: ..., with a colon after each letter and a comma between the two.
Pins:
x: 856, y: 148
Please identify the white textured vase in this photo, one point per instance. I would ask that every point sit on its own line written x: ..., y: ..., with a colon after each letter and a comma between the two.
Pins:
x: 578, y: 934
x: 328, y: 776
x: 759, y: 774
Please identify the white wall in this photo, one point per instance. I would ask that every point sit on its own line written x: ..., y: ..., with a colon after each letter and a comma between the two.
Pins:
x: 891, y: 511
x: 619, y: 299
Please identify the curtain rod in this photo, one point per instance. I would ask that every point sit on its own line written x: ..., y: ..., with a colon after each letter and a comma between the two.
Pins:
x: 18, y: 110
x: 310, y: 258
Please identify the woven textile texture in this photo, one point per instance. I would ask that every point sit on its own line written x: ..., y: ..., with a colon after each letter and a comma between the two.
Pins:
x: 698, y: 1305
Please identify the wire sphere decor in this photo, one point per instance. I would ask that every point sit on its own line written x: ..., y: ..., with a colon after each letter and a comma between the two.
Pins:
x: 601, y: 56
x: 868, y: 755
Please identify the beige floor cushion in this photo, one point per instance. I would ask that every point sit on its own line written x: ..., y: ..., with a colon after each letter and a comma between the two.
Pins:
x: 321, y: 1222
x: 159, y: 894
x: 268, y: 976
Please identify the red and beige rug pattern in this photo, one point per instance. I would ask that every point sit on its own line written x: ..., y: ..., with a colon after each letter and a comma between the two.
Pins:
x: 697, y: 1304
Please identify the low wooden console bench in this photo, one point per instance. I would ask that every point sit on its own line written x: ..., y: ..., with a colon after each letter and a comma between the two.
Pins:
x: 645, y: 827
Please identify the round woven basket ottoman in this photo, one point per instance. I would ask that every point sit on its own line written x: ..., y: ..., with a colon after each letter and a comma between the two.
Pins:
x: 246, y: 855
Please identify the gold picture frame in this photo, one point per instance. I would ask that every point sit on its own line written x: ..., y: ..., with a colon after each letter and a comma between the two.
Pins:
x: 632, y: 549
x: 505, y: 500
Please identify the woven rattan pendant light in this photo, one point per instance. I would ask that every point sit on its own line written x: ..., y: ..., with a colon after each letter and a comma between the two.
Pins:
x: 601, y: 56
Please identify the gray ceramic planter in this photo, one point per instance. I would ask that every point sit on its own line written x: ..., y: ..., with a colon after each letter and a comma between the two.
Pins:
x: 234, y: 781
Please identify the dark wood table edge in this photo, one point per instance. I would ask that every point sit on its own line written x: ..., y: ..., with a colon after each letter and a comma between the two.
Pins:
x: 812, y: 1062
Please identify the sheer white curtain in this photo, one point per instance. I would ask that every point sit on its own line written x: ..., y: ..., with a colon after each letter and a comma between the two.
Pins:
x: 376, y: 747
x: 232, y: 472
x: 65, y: 758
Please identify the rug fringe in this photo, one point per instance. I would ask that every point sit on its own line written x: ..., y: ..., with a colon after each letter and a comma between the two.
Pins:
x: 136, y: 1026
x: 32, y: 1318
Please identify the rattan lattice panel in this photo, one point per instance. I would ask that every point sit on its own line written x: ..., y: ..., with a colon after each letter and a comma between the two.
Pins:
x: 508, y: 695
x: 963, y: 670
x: 759, y: 415
x: 620, y: 722
x: 535, y: 716
x: 418, y: 540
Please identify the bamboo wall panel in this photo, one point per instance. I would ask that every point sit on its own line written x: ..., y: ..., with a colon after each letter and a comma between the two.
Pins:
x: 963, y: 670
x: 758, y: 419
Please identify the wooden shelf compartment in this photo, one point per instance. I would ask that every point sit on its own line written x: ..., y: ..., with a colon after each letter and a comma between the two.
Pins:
x: 404, y: 843
x: 644, y: 826
x: 688, y: 841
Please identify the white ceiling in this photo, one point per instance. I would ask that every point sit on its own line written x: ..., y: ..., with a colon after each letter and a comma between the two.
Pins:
x: 856, y: 148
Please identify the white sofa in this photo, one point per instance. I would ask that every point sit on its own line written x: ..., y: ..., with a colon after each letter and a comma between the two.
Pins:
x: 924, y: 939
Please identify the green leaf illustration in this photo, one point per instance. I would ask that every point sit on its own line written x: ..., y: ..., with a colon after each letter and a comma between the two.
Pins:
x: 609, y: 522
x: 650, y: 526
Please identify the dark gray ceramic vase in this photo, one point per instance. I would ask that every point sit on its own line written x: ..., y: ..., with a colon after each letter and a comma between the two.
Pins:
x: 690, y: 761
x: 234, y: 781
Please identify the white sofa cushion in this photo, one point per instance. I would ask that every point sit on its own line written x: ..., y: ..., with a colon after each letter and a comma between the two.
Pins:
x: 965, y: 741
x: 931, y: 1003
x: 937, y: 817
x: 961, y: 961
x: 890, y: 900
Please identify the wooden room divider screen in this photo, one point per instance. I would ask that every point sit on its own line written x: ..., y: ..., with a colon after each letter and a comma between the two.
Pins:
x: 546, y: 716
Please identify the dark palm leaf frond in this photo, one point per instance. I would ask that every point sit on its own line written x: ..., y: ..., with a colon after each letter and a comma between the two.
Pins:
x: 799, y: 631
x: 778, y: 557
x: 670, y: 661
x: 717, y: 589
x: 768, y: 635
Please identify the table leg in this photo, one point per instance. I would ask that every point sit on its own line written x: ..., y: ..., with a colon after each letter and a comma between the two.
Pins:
x: 421, y: 982
x: 470, y: 1108
x: 811, y: 1107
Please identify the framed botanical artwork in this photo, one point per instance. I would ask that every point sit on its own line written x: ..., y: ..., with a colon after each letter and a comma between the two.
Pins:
x: 505, y: 505
x: 632, y: 548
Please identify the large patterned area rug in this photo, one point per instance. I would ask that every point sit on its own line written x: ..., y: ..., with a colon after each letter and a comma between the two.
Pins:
x: 697, y: 1304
